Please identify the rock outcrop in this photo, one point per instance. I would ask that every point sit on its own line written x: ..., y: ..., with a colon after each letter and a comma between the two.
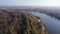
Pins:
x: 20, y: 23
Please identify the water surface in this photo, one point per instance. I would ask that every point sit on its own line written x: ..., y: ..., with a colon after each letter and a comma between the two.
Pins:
x: 52, y: 24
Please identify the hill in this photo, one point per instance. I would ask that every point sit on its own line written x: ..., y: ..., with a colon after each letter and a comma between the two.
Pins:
x: 20, y: 23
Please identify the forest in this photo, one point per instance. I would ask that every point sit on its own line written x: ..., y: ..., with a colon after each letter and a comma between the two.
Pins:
x: 20, y: 23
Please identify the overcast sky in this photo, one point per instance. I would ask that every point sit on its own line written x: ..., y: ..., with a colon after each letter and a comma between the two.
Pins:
x: 29, y: 2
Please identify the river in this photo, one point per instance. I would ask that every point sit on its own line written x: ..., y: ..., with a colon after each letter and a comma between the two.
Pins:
x: 52, y: 24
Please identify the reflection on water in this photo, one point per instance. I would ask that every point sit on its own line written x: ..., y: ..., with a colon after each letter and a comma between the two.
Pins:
x: 52, y: 24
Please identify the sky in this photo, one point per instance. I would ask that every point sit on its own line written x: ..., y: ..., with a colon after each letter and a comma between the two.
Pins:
x: 29, y: 2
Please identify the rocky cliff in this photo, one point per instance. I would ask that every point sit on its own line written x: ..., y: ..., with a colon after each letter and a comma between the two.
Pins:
x: 20, y: 23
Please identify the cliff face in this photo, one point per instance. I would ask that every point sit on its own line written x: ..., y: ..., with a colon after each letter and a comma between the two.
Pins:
x: 20, y: 23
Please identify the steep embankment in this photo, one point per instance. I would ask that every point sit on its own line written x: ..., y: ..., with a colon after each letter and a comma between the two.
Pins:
x: 20, y: 23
